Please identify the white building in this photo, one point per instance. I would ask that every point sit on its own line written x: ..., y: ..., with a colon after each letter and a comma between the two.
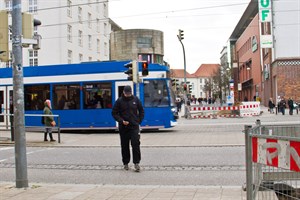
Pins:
x: 72, y: 31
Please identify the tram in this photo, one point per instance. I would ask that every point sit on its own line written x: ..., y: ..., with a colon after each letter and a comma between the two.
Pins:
x: 83, y: 94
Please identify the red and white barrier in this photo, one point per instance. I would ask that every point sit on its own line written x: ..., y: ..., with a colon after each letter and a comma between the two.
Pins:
x: 277, y: 153
x: 219, y: 108
x: 250, y: 108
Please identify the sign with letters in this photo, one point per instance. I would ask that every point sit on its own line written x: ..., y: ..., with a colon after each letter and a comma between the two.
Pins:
x: 265, y: 13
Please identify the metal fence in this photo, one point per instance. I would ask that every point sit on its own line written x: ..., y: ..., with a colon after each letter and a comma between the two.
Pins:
x: 273, y: 162
x: 9, y: 125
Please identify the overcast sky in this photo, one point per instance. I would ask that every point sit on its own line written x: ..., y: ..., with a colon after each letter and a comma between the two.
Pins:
x: 207, y: 25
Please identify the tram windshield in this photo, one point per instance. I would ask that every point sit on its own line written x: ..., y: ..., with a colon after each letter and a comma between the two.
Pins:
x: 157, y: 93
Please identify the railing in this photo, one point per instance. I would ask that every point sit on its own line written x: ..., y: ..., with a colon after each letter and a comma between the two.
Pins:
x: 272, y: 162
x: 9, y: 125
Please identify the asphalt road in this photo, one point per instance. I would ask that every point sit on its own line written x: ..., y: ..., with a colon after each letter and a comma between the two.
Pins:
x: 102, y: 165
x: 195, y: 152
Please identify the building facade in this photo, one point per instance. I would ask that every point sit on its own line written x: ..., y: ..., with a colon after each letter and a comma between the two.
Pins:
x: 71, y: 31
x: 197, y: 81
x: 265, y: 54
x: 137, y: 44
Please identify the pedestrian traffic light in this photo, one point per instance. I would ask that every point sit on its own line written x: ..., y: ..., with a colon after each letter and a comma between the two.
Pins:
x: 190, y: 88
x: 27, y: 25
x: 132, y: 71
x: 145, y: 70
x: 4, y: 50
x: 175, y: 83
x: 184, y: 87
x: 180, y: 35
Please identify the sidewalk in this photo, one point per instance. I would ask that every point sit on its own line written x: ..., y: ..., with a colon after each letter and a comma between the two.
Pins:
x: 43, y: 191
x: 40, y: 191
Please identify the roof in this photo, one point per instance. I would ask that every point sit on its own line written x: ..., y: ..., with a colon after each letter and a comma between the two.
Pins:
x: 250, y: 12
x: 206, y: 70
x: 179, y: 73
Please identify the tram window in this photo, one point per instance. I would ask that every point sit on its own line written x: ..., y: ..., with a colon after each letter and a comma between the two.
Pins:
x: 35, y: 95
x: 156, y: 93
x: 66, y: 96
x: 97, y: 95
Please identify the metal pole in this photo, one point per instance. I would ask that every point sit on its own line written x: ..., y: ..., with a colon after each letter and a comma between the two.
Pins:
x: 184, y: 63
x: 249, y: 176
x: 18, y: 97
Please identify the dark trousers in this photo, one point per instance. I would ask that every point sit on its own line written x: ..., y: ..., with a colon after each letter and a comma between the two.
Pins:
x: 291, y: 111
x: 48, y: 131
x: 130, y: 135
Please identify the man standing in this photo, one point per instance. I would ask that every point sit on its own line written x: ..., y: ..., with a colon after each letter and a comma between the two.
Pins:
x: 129, y: 113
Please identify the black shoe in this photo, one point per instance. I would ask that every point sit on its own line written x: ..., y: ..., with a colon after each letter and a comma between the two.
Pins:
x: 52, y: 140
x: 45, y: 140
x: 137, y: 167
x: 126, y: 167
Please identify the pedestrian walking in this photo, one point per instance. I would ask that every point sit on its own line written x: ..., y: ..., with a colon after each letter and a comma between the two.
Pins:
x: 129, y: 113
x: 48, y: 120
x: 291, y: 105
x: 282, y: 105
x: 271, y: 105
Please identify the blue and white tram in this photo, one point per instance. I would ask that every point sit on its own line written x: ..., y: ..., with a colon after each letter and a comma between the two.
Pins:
x: 83, y: 94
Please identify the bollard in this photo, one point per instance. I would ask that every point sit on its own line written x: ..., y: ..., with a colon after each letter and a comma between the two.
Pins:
x: 249, y: 175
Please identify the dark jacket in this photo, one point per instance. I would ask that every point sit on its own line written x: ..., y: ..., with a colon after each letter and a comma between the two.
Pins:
x: 128, y: 109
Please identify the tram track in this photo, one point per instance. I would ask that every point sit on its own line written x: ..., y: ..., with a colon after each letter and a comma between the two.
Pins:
x: 119, y: 167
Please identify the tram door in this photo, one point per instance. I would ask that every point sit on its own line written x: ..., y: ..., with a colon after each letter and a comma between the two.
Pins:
x: 119, y: 89
x: 5, y: 105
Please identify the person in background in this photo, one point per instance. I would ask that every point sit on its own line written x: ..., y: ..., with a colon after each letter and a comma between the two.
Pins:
x: 271, y: 105
x: 48, y: 120
x: 282, y: 105
x: 129, y: 113
x: 291, y: 105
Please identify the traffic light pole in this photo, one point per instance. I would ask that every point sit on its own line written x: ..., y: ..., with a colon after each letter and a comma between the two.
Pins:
x: 184, y: 63
x: 18, y: 97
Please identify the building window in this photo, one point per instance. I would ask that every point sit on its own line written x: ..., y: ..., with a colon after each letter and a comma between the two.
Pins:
x: 33, y: 58
x: 105, y: 9
x: 144, y: 42
x: 90, y: 41
x: 98, y: 7
x: 98, y: 46
x: 8, y: 5
x: 80, y: 14
x: 69, y: 33
x: 32, y: 6
x: 69, y: 9
x: 200, y: 80
x: 105, y: 49
x: 80, y: 38
x: 90, y: 59
x: 105, y: 29
x: 98, y: 25
x: 70, y: 56
x: 80, y: 57
x: 89, y: 20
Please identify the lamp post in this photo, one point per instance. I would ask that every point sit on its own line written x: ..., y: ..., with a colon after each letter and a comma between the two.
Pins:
x: 180, y: 38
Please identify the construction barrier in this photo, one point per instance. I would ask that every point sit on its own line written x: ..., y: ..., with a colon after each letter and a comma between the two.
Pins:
x: 243, y: 110
x: 272, y: 161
